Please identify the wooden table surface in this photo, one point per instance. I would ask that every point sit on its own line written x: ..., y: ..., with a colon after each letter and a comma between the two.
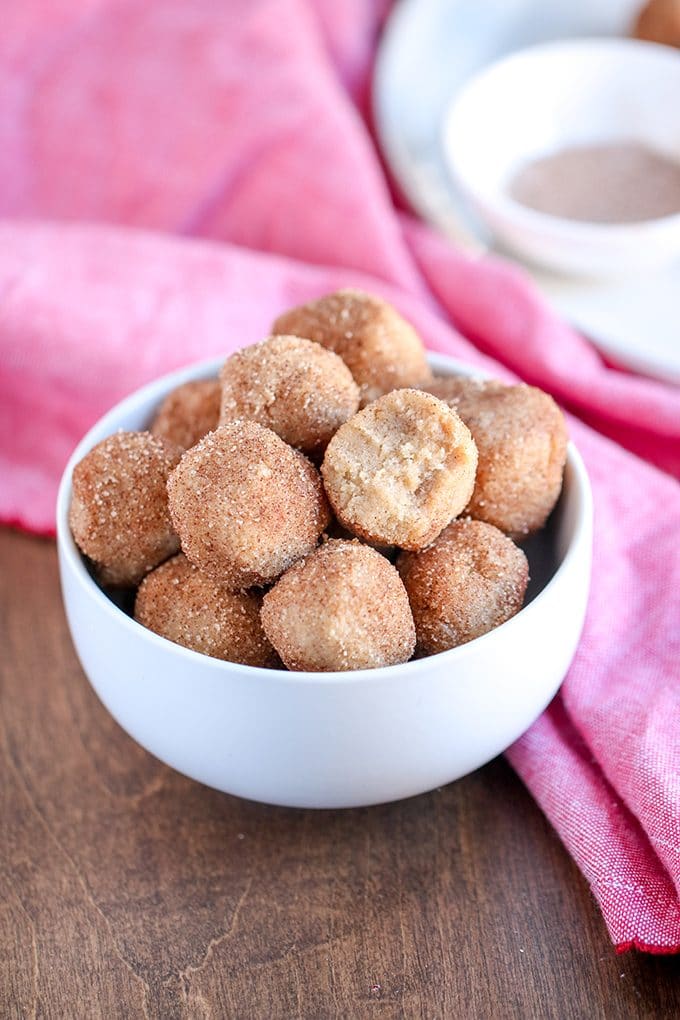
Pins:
x: 127, y: 890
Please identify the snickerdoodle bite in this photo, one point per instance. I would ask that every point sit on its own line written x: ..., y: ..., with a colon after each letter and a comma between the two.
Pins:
x: 472, y: 579
x: 295, y: 387
x: 119, y: 506
x: 521, y: 437
x: 188, y: 413
x: 246, y: 505
x: 400, y: 470
x: 381, y: 349
x: 184, y: 605
x: 343, y: 607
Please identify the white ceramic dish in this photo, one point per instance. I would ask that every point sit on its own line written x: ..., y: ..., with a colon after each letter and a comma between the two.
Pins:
x: 552, y: 96
x: 428, y: 50
x: 328, y: 740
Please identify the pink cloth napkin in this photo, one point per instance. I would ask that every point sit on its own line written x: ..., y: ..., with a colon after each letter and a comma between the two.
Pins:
x: 220, y: 152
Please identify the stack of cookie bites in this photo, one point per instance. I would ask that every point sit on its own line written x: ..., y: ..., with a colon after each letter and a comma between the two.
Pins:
x: 326, y: 504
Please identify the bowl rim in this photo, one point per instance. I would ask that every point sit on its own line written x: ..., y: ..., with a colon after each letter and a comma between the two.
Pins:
x: 72, y: 559
x: 502, y: 202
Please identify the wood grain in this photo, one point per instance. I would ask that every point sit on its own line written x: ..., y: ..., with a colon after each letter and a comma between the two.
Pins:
x: 129, y: 891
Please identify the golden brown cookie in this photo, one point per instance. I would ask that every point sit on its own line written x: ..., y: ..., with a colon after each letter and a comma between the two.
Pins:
x: 188, y: 413
x: 521, y: 437
x: 294, y: 386
x: 119, y: 505
x: 186, y: 606
x: 400, y: 470
x: 381, y: 349
x: 343, y: 607
x: 659, y: 22
x: 246, y: 505
x: 472, y: 579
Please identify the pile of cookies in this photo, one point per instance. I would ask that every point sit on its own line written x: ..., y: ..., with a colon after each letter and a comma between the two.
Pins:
x: 327, y: 504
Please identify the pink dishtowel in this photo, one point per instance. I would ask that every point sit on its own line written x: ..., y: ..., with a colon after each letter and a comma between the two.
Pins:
x: 219, y: 151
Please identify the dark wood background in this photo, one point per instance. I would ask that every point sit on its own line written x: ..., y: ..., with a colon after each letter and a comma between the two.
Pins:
x: 127, y: 890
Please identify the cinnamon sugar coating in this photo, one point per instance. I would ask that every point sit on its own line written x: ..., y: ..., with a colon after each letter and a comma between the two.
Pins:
x: 381, y: 349
x: 400, y: 470
x: 343, y: 607
x: 295, y: 387
x: 246, y: 505
x: 119, y: 513
x: 188, y: 413
x: 184, y: 605
x: 472, y: 579
x: 521, y: 437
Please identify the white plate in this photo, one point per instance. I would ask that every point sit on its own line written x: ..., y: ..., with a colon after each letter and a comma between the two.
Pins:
x: 429, y: 48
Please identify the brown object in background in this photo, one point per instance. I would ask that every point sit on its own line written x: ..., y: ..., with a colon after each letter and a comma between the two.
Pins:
x: 659, y: 22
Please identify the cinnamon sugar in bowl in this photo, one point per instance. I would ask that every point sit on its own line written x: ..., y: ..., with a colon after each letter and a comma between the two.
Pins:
x: 588, y: 115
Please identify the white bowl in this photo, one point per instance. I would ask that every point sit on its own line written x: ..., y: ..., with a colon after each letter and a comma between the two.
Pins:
x: 328, y: 740
x: 562, y: 94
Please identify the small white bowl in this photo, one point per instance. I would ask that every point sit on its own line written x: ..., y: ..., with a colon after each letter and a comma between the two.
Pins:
x: 328, y: 740
x: 560, y: 94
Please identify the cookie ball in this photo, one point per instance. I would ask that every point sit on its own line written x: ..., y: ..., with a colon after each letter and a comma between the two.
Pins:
x: 400, y: 470
x: 521, y: 437
x: 343, y: 607
x: 119, y: 506
x: 188, y: 413
x: 294, y: 386
x: 246, y: 505
x: 186, y: 606
x: 472, y: 579
x: 382, y: 351
x: 659, y: 22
